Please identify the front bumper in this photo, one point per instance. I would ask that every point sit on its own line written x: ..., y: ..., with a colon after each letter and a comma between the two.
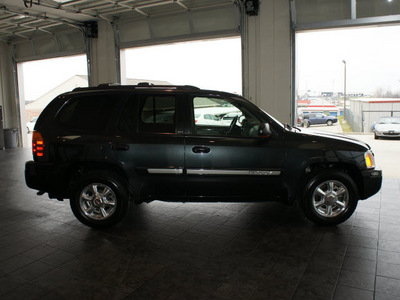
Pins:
x: 388, y: 134
x: 47, y: 177
x: 372, y: 182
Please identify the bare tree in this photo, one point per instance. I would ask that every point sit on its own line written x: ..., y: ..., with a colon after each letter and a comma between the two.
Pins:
x: 381, y: 93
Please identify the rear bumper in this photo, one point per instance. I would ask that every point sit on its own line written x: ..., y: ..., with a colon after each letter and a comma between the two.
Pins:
x: 372, y: 182
x: 47, y: 177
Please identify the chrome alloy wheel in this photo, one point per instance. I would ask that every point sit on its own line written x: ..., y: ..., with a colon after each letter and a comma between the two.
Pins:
x: 330, y: 198
x: 98, y: 201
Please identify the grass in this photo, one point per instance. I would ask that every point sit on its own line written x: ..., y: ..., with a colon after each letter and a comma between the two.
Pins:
x: 345, y: 126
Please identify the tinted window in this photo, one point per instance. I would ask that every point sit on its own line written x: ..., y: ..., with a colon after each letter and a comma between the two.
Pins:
x: 87, y: 113
x: 157, y: 114
x: 127, y: 122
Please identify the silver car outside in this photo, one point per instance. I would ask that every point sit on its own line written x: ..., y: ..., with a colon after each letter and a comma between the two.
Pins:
x: 30, y: 125
x: 387, y: 127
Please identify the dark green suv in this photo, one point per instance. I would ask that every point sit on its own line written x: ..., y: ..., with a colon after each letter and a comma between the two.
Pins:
x: 105, y: 146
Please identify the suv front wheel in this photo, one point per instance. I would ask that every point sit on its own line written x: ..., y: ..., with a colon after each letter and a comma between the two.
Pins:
x: 330, y: 198
x: 100, y: 200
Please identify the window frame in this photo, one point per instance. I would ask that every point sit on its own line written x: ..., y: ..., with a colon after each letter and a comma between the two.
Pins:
x: 236, y: 103
x: 180, y: 118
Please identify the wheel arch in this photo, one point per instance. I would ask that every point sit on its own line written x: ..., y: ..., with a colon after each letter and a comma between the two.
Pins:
x: 349, y: 169
x: 78, y: 171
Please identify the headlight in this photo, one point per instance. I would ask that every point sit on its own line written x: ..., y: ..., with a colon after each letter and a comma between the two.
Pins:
x: 369, y: 159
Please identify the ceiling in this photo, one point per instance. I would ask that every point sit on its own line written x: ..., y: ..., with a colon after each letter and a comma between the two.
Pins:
x: 24, y: 19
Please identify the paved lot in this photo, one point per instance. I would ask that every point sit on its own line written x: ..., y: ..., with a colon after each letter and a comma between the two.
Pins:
x: 335, y: 128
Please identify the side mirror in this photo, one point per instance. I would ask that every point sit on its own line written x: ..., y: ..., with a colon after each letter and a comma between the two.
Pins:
x: 264, y: 130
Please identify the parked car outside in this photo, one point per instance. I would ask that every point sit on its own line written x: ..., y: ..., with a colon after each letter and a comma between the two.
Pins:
x: 387, y: 127
x: 30, y: 125
x: 228, y: 118
x: 206, y: 119
x: 105, y: 147
x: 214, y: 115
x: 317, y: 118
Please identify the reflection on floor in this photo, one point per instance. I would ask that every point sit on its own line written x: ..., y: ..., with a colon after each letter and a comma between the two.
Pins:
x: 194, y: 251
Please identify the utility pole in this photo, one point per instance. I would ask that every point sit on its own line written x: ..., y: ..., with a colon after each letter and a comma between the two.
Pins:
x: 344, y: 95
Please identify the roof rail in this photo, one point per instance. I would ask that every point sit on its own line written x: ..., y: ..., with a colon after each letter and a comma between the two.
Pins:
x: 170, y: 86
x: 145, y: 84
x: 140, y: 85
x: 103, y: 85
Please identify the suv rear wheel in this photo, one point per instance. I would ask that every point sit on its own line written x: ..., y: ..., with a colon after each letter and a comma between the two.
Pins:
x: 100, y: 200
x: 330, y: 198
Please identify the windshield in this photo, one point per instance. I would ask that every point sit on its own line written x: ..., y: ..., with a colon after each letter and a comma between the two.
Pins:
x: 389, y: 120
x: 271, y: 117
x: 276, y: 121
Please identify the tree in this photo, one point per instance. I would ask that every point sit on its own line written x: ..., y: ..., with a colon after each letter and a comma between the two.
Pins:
x: 381, y: 93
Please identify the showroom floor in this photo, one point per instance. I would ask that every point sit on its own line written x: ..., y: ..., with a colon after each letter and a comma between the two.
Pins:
x: 194, y: 251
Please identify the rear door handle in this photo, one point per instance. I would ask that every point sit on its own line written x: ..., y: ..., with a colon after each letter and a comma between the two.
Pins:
x: 120, y: 147
x: 200, y: 149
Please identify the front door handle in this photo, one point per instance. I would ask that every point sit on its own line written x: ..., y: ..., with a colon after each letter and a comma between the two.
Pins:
x: 200, y: 149
x: 120, y: 147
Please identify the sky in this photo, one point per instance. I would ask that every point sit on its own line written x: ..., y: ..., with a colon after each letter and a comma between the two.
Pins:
x: 210, y: 64
x: 41, y: 76
x: 372, y: 58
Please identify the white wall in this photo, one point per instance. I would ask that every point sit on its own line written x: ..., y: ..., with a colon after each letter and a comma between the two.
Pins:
x: 103, y: 64
x: 7, y: 94
x: 267, y: 59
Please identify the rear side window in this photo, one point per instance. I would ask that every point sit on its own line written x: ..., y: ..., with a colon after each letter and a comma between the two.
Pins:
x: 157, y: 114
x: 90, y: 113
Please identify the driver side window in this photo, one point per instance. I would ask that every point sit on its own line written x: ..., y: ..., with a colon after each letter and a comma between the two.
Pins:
x: 223, y: 117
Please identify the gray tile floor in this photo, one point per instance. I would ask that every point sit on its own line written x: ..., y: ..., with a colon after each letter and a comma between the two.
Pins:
x: 194, y: 251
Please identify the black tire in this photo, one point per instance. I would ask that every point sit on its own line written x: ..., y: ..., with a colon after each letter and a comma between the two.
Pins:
x: 376, y: 137
x: 329, y: 122
x: 307, y: 124
x: 107, y: 200
x: 330, y: 198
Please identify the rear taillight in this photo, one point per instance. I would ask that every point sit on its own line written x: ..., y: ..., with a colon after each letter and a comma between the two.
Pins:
x: 37, y: 144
